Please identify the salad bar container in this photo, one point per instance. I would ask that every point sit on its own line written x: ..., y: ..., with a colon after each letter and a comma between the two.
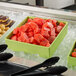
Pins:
x: 71, y: 59
x: 45, y: 52
x: 5, y: 24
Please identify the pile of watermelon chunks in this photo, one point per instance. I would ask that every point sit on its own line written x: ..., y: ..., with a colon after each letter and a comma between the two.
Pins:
x: 38, y: 31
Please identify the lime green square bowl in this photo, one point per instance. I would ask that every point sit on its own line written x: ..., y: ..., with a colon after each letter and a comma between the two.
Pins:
x: 42, y: 51
x: 71, y: 60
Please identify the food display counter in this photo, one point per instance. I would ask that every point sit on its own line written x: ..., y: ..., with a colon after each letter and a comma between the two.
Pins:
x: 19, y: 12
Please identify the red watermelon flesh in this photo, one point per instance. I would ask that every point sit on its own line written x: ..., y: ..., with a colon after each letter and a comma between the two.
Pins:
x: 38, y: 31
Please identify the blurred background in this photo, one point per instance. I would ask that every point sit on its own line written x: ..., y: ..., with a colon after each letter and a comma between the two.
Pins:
x: 53, y: 4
